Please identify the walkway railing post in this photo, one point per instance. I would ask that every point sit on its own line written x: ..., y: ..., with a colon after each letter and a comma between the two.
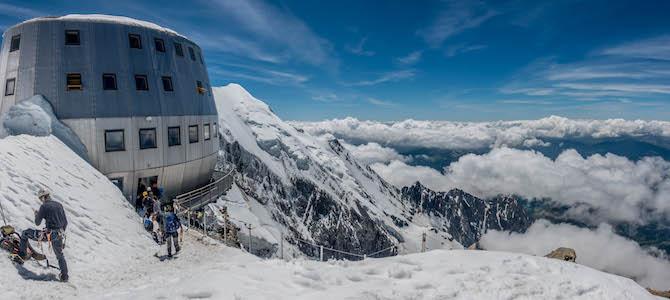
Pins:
x: 281, y: 245
x: 225, y: 229
x: 321, y: 253
x: 204, y: 222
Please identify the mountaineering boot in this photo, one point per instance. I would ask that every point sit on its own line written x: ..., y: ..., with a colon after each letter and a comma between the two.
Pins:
x: 63, y: 278
x: 16, y: 258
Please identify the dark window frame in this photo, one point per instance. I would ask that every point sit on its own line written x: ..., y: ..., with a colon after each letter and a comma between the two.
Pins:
x: 191, y: 53
x: 168, y: 79
x: 137, y: 37
x: 15, y: 46
x: 13, y: 81
x: 113, y: 76
x: 178, y: 49
x: 206, y: 132
x: 159, y: 41
x: 139, y: 135
x: 170, y: 144
x: 197, y: 134
x: 216, y: 130
x: 202, y: 61
x: 74, y: 87
x: 123, y: 139
x: 68, y: 32
x: 146, y: 82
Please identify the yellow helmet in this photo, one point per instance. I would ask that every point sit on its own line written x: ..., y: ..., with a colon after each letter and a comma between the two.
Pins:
x: 144, y: 194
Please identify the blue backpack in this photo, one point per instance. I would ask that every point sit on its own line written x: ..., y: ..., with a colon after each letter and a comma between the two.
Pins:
x: 172, y: 223
x: 148, y: 225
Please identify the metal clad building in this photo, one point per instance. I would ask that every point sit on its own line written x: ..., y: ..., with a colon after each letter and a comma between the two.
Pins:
x: 119, y: 83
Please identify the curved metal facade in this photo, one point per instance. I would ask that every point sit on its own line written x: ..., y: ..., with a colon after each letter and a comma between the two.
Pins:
x: 44, y: 59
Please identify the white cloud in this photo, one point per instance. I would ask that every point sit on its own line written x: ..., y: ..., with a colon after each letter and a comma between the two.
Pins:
x: 373, y: 153
x: 456, y: 17
x: 477, y: 135
x: 379, y: 102
x: 639, y: 70
x: 653, y: 48
x: 462, y: 48
x: 619, y: 189
x: 264, y: 28
x: 387, y: 77
x: 410, y: 59
x: 19, y: 11
x: 600, y: 249
x: 358, y: 48
x: 259, y: 74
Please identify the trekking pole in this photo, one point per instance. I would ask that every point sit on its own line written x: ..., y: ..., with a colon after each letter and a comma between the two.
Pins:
x: 2, y: 210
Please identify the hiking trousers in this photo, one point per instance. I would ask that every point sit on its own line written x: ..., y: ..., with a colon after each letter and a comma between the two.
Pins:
x: 172, y: 237
x: 56, y: 244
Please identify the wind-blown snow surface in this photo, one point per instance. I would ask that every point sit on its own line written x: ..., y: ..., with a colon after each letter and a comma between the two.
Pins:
x: 103, y: 234
x: 439, y: 274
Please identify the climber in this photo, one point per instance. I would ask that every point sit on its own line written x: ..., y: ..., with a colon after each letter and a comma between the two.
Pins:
x: 172, y: 225
x: 56, y: 223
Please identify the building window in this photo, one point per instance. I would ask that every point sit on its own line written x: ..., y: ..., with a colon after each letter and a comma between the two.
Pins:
x: 148, y: 138
x: 73, y: 82
x: 9, y: 86
x: 72, y: 37
x: 109, y: 81
x: 206, y: 132
x: 160, y: 45
x: 16, y: 42
x: 201, y: 60
x: 178, y: 49
x: 216, y: 130
x: 135, y: 41
x: 174, y: 136
x: 167, y: 83
x: 199, y: 88
x: 193, y: 134
x: 191, y: 53
x: 114, y: 140
x: 141, y: 83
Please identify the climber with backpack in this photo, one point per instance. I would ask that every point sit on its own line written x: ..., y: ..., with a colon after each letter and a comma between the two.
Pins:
x: 10, y: 240
x: 56, y: 223
x: 172, y: 225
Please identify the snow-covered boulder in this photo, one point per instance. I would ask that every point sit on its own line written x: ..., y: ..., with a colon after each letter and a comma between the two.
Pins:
x: 104, y: 234
x: 35, y: 116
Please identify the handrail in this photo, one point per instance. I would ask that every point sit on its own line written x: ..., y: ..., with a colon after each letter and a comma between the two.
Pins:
x: 206, y: 194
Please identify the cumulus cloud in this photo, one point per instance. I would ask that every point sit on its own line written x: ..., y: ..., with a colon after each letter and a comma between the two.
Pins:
x: 374, y: 153
x: 596, y: 188
x: 478, y: 135
x: 600, y: 249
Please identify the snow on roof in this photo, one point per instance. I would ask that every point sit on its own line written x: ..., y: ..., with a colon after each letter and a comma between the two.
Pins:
x: 107, y: 19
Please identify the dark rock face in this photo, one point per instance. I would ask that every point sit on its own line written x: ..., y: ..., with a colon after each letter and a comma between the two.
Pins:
x: 465, y: 217
x: 300, y: 204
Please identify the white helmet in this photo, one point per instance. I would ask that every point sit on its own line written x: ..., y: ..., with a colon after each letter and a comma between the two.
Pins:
x: 43, y: 194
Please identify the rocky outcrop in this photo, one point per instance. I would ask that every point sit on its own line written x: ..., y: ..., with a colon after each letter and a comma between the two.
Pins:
x: 465, y: 217
x: 562, y: 253
x: 664, y: 294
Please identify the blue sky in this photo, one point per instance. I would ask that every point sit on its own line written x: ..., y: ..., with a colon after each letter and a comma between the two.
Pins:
x: 444, y: 60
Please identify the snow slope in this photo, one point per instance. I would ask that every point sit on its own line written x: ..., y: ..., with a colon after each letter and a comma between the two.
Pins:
x: 440, y: 274
x: 103, y: 231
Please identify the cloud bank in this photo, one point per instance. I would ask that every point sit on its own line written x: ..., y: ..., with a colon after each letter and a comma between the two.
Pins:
x: 374, y: 153
x: 478, y: 135
x: 600, y: 249
x: 597, y: 188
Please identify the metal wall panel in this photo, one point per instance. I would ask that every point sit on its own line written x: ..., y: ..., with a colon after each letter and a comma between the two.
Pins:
x: 43, y: 60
